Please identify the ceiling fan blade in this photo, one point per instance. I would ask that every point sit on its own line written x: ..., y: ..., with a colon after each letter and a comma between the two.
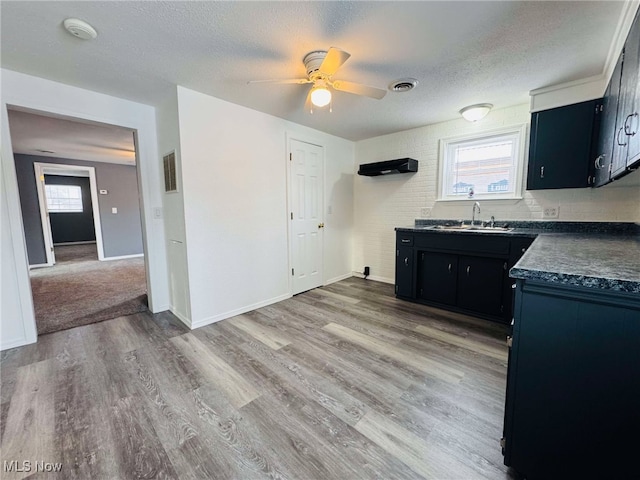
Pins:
x: 299, y: 81
x: 359, y: 89
x: 308, y: 106
x: 333, y: 61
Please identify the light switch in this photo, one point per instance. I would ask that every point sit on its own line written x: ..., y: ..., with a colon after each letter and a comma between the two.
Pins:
x: 157, y: 212
x: 114, y: 209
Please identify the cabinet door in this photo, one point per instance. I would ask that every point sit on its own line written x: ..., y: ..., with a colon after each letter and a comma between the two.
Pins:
x: 404, y: 271
x: 606, y: 140
x: 570, y: 391
x: 437, y: 273
x: 560, y: 147
x: 481, y: 284
x: 630, y: 95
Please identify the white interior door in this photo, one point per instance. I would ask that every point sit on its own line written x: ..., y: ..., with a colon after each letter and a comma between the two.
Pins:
x: 307, y: 184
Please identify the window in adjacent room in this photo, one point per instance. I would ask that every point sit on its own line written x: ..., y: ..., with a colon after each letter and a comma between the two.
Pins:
x: 64, y: 198
x: 483, y: 166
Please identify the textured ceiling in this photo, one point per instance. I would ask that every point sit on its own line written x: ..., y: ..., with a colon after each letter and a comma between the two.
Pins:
x: 62, y: 138
x: 461, y: 52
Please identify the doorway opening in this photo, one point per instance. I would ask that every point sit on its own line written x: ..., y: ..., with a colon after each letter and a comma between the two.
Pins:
x: 78, y: 188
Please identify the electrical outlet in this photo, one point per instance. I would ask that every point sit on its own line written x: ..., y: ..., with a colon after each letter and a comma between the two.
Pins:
x: 551, y: 212
x: 425, y: 212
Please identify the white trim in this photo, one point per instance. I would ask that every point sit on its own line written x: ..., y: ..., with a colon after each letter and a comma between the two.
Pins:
x: 45, y: 223
x: 64, y: 244
x: 39, y: 265
x: 238, y: 311
x: 338, y: 278
x: 14, y: 344
x: 375, y: 278
x: 43, y: 168
x: 625, y: 21
x: 180, y: 317
x: 122, y: 257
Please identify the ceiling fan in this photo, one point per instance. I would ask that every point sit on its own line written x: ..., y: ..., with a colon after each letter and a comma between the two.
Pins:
x: 321, y: 65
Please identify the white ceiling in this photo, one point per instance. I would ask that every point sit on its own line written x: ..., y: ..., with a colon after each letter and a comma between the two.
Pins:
x: 461, y: 52
x: 62, y: 138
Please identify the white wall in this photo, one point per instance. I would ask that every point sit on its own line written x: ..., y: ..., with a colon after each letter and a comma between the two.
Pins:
x: 173, y: 211
x: 17, y: 325
x: 383, y: 203
x: 234, y: 176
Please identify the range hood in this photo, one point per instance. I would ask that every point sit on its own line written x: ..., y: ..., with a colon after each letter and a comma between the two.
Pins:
x: 400, y: 165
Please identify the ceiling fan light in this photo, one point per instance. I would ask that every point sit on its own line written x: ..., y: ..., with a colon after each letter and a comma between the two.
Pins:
x: 473, y: 113
x: 320, y: 96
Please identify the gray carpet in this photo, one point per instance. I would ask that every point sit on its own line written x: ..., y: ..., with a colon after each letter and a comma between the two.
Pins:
x: 79, y: 289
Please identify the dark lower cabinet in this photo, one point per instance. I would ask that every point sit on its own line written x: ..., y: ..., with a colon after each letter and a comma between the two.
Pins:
x: 480, y: 284
x: 466, y: 273
x: 404, y: 271
x: 573, y: 387
x: 438, y: 276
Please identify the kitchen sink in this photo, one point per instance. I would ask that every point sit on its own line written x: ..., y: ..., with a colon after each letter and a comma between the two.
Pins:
x: 469, y: 228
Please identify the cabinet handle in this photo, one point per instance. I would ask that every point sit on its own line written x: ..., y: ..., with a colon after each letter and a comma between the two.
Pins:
x: 620, y: 130
x: 627, y: 128
x: 598, y: 165
x: 406, y: 261
x: 449, y: 268
x: 468, y: 270
x: 541, y: 172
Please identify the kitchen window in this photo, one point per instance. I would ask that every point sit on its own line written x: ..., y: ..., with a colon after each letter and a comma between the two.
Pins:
x: 482, y: 166
x: 64, y: 198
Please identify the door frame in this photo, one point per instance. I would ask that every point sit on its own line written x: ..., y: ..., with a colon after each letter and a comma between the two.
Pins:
x: 41, y: 169
x: 288, y: 158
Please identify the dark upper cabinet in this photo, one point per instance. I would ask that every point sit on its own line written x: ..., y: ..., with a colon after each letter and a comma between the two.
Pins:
x: 628, y: 124
x: 561, y: 146
x: 602, y: 164
x: 619, y: 138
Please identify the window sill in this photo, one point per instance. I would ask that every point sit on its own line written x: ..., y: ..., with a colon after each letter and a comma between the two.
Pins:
x: 480, y: 199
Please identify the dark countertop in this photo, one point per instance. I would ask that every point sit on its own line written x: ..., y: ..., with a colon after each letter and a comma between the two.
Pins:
x: 592, y: 255
x: 609, y: 262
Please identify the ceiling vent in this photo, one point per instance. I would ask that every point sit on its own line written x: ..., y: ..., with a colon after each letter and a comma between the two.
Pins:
x: 80, y: 29
x: 403, y: 85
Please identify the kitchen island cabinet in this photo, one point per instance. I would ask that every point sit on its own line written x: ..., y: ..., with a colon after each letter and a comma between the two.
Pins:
x: 573, y: 381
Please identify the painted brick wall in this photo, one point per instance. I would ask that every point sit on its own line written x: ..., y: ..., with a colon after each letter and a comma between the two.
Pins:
x: 383, y: 203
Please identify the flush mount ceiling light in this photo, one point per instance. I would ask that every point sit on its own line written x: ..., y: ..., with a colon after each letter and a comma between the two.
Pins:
x: 80, y: 29
x: 473, y: 113
x: 403, y: 85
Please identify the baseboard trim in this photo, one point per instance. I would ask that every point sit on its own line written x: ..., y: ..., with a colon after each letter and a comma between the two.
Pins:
x: 38, y: 265
x: 181, y: 317
x: 122, y: 257
x: 238, y: 311
x: 338, y: 278
x: 15, y: 344
x: 62, y: 244
x: 375, y: 278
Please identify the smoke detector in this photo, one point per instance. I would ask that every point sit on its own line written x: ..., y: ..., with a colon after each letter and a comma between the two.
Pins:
x: 403, y: 85
x: 80, y: 29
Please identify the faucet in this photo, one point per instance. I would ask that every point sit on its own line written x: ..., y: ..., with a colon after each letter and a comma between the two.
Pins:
x: 473, y: 214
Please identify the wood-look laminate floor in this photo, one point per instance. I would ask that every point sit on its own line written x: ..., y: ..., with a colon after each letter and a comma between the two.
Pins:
x: 341, y: 382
